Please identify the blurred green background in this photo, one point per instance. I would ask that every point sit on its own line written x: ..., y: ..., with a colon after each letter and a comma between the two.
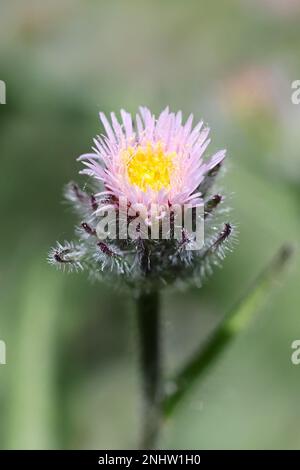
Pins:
x: 71, y: 377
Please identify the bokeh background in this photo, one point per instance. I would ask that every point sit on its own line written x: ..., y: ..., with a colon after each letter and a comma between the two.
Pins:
x: 71, y: 379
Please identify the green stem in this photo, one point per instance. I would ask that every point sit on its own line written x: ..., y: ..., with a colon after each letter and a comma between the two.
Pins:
x: 234, y: 322
x: 149, y: 329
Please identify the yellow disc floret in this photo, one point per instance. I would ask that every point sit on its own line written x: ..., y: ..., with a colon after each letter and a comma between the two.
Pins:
x: 149, y: 166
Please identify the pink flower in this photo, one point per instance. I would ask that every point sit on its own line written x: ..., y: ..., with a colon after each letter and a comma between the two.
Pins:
x: 139, y: 230
x: 152, y: 160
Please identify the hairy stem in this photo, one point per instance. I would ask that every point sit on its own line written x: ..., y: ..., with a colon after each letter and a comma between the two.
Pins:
x: 149, y: 337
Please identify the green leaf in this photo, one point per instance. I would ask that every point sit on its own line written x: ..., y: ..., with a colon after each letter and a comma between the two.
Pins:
x: 233, y: 323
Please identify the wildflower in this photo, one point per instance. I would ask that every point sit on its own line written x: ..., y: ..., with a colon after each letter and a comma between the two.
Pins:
x: 154, y: 166
x: 158, y: 161
x: 150, y: 185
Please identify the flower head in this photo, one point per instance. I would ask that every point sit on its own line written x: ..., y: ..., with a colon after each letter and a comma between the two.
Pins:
x: 156, y: 161
x: 148, y: 162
